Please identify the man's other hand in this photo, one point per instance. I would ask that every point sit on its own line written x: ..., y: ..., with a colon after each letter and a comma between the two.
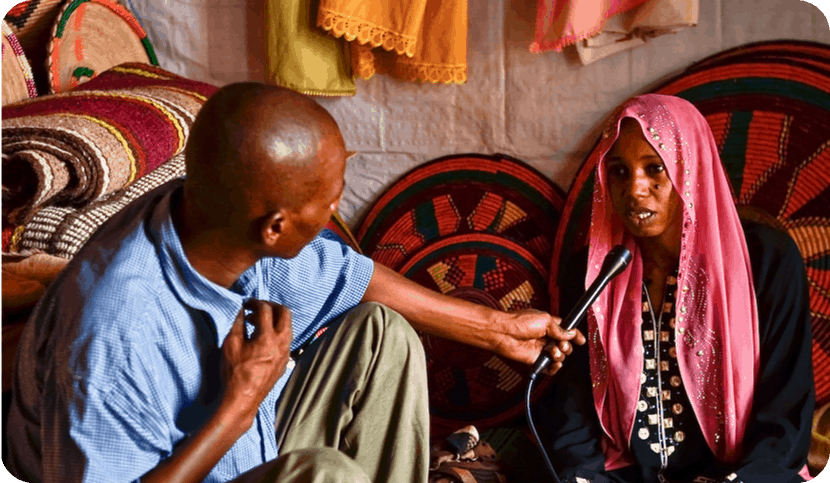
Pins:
x: 251, y: 366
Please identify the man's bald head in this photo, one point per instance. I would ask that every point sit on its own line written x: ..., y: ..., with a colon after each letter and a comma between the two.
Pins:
x: 255, y: 148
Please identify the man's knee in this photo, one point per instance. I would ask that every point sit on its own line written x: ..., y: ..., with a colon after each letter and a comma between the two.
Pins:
x: 389, y: 323
x: 313, y: 465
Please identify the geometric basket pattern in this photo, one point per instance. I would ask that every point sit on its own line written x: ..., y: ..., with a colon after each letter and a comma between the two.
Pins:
x: 480, y: 228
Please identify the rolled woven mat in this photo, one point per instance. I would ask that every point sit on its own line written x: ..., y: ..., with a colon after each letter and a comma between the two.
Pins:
x: 89, y: 37
x: 768, y: 105
x: 18, y: 83
x: 479, y: 228
x: 73, y: 148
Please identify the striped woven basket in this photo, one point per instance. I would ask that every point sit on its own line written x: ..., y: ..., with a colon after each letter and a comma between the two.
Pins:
x: 31, y: 21
x: 479, y: 228
x: 89, y: 37
x: 18, y: 82
x: 768, y: 105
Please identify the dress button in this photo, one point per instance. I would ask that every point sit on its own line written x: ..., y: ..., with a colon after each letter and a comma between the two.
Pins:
x: 677, y: 408
x: 679, y: 436
x: 643, y: 433
x: 642, y: 406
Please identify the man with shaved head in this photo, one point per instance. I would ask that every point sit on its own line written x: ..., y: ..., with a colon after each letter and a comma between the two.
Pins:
x: 213, y: 331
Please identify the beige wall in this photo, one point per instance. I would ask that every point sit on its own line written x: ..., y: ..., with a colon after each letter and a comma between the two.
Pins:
x: 541, y: 108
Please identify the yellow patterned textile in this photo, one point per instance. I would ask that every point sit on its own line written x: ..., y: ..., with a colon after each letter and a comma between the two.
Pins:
x: 414, y: 40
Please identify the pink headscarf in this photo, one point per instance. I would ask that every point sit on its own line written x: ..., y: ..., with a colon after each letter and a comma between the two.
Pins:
x: 717, y: 320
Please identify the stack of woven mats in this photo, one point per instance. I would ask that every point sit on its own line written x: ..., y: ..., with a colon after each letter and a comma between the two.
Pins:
x: 768, y: 105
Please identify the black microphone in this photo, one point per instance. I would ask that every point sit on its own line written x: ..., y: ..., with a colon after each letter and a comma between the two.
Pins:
x: 615, y: 262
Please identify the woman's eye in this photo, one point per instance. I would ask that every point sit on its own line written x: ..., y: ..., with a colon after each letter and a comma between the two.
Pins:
x: 656, y: 168
x: 616, y: 171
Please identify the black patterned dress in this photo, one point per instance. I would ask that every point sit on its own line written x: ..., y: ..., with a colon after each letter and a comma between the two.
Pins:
x: 666, y: 443
x: 666, y: 439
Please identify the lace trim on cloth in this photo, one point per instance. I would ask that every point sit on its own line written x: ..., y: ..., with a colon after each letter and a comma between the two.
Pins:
x: 562, y: 42
x: 364, y: 32
x: 365, y: 65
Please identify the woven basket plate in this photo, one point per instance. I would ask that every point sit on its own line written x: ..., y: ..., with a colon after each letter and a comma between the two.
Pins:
x: 18, y: 83
x: 478, y: 228
x: 32, y: 20
x: 89, y: 37
x: 768, y: 105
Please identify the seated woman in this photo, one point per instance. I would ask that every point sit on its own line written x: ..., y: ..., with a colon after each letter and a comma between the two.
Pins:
x: 698, y: 364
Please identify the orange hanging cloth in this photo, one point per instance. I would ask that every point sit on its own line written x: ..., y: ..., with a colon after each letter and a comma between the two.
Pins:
x: 564, y: 22
x: 413, y: 40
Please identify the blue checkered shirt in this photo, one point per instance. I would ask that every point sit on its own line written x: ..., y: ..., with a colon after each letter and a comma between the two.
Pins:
x: 121, y: 362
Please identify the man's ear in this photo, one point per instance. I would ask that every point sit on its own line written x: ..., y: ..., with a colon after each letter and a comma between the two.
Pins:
x: 273, y: 226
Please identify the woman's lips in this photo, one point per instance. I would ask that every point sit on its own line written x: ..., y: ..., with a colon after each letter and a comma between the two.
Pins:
x: 640, y: 216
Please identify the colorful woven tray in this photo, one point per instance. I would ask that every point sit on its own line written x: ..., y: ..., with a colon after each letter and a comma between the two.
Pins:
x: 479, y: 228
x: 89, y: 37
x: 32, y: 21
x: 18, y: 83
x: 768, y: 105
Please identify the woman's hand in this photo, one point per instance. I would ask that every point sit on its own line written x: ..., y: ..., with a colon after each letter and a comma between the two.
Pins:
x: 524, y: 334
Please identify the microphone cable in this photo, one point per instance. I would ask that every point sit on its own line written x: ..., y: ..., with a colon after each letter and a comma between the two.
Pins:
x: 615, y: 262
x: 533, y: 429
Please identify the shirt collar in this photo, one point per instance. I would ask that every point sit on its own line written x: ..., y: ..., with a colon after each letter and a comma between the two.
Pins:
x: 192, y: 288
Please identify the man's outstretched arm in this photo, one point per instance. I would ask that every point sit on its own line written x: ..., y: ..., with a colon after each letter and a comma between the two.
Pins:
x: 518, y: 335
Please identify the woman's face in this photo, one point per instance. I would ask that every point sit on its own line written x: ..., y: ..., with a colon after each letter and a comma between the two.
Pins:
x: 641, y: 191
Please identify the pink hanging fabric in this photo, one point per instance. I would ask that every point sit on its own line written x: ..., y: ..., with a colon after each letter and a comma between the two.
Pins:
x: 564, y: 22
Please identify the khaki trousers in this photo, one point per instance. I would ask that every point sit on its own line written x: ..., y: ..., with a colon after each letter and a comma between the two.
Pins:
x: 355, y: 409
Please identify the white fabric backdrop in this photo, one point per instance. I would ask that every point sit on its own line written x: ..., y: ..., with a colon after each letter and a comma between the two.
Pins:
x: 541, y: 108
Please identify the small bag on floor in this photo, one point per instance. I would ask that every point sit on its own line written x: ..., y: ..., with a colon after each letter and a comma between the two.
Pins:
x: 464, y: 458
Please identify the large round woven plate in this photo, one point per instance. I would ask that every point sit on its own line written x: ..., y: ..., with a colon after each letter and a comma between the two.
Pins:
x: 768, y: 105
x: 89, y: 37
x: 18, y: 83
x: 478, y: 228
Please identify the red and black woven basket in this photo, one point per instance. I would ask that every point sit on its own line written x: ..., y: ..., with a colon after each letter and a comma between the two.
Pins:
x: 768, y: 105
x: 479, y: 228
